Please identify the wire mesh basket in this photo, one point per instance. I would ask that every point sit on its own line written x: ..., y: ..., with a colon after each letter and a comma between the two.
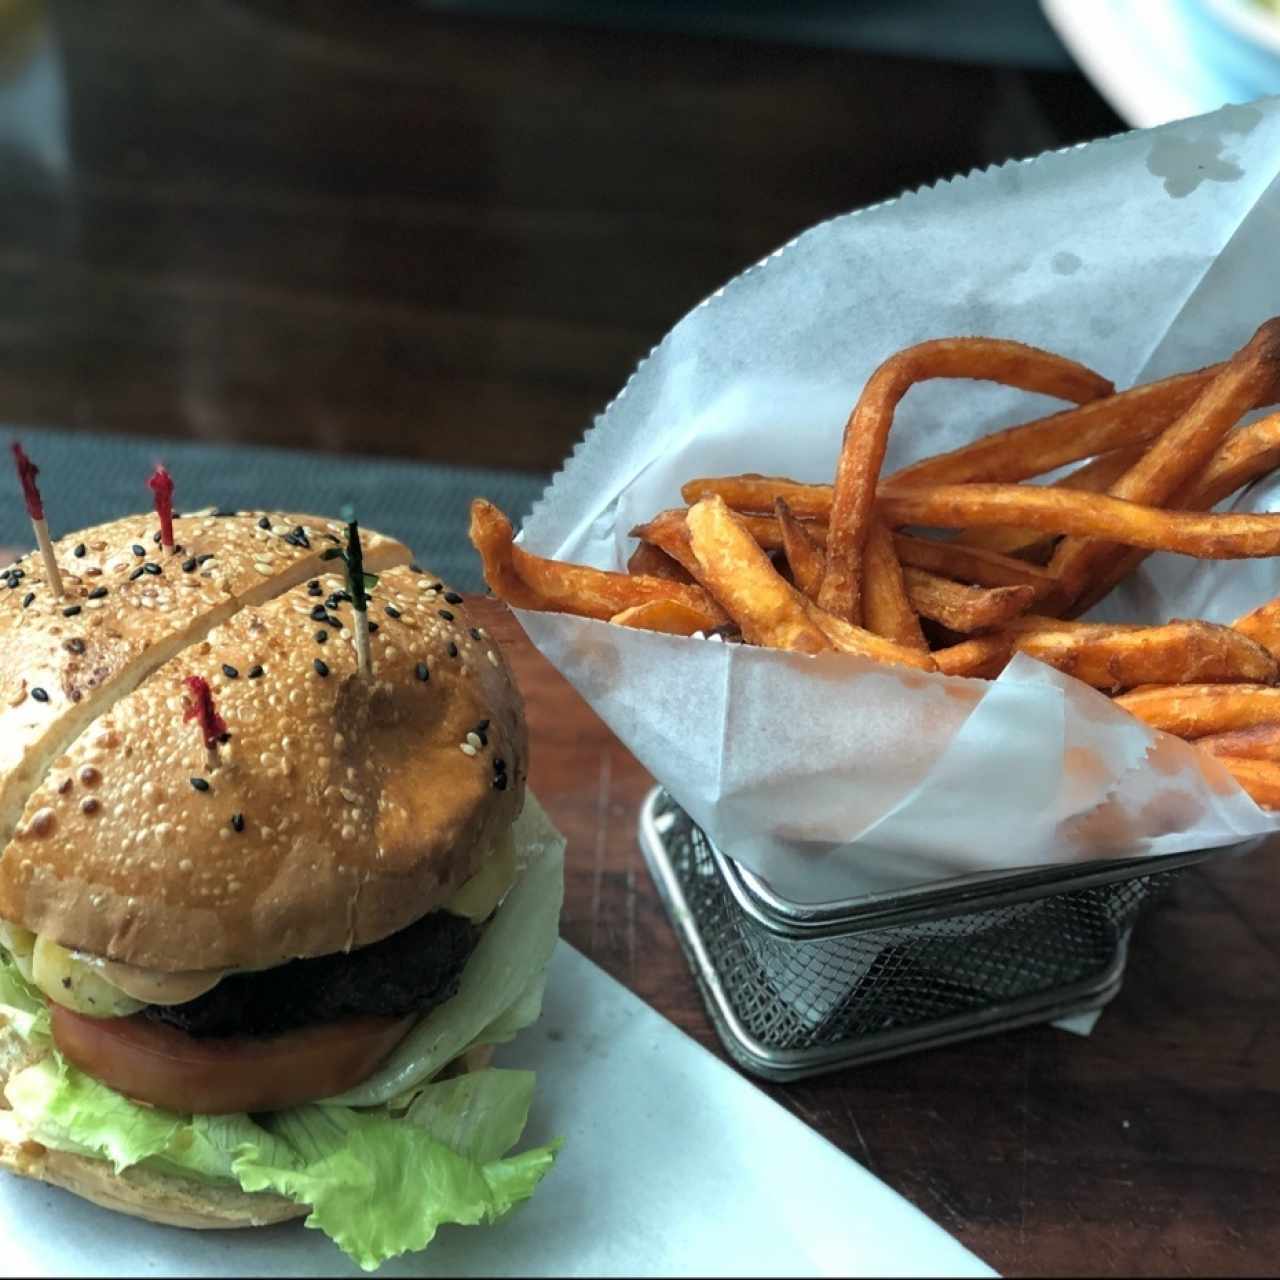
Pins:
x: 794, y: 990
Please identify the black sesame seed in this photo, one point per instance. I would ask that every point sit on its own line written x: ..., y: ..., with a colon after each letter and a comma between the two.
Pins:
x: 301, y: 535
x: 314, y: 590
x: 230, y: 672
x: 373, y: 628
x: 500, y: 782
x: 333, y: 537
x: 255, y: 673
x: 452, y: 597
x: 437, y: 586
x: 314, y: 584
x: 291, y: 539
x: 499, y: 765
x: 265, y: 522
x: 39, y: 695
x: 392, y: 611
x: 189, y: 566
x: 71, y: 610
x: 445, y: 614
x: 224, y: 738
x: 136, y: 574
x: 28, y: 598
x: 208, y: 555
x: 237, y: 822
x: 484, y: 739
x: 322, y: 668
x: 475, y: 633
x: 66, y: 982
x: 221, y: 515
x: 482, y: 726
x: 155, y: 537
x: 334, y: 622
x: 333, y: 601
x: 75, y: 644
x: 177, y: 549
x: 79, y: 551
x: 200, y: 784
x: 97, y: 593
x: 139, y: 550
x: 152, y: 568
x: 321, y: 636
x: 453, y: 649
x: 416, y: 568
x: 319, y: 614
x: 342, y: 595
x: 421, y: 671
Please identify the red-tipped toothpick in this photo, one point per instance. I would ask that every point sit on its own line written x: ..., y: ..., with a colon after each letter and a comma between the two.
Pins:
x: 161, y: 484
x: 200, y: 708
x: 27, y: 472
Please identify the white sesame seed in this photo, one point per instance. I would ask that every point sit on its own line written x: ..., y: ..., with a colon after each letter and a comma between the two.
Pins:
x: 474, y: 739
x: 348, y: 833
x: 493, y: 657
x: 262, y: 566
x: 467, y: 749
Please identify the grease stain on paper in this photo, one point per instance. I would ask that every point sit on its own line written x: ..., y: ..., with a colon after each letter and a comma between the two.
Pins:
x: 1185, y: 162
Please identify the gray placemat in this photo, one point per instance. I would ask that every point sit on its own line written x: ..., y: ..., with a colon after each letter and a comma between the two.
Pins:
x: 87, y: 479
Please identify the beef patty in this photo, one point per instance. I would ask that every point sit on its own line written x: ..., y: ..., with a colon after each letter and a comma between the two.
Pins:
x: 410, y: 972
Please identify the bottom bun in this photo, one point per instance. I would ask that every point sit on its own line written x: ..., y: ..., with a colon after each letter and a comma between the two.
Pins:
x: 168, y: 1199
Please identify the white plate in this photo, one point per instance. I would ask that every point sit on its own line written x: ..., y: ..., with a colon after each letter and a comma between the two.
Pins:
x: 672, y: 1164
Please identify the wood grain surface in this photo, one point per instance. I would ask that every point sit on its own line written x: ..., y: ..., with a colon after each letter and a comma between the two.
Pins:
x: 1149, y: 1148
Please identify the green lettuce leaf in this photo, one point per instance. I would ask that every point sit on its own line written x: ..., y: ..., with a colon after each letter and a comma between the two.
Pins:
x: 502, y: 980
x: 21, y: 1006
x: 379, y: 1187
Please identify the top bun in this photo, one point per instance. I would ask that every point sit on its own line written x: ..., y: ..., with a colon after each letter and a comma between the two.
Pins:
x: 340, y: 811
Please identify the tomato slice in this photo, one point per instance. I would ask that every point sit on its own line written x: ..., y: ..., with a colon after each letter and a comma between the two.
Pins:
x: 166, y: 1067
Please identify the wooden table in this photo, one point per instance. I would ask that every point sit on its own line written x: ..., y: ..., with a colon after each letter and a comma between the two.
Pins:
x: 1149, y: 1148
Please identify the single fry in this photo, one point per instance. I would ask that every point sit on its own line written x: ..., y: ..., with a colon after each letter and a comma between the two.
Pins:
x: 1247, y: 453
x: 757, y: 493
x: 981, y: 657
x: 533, y: 582
x: 1094, y: 477
x: 804, y: 554
x: 1259, y: 778
x: 961, y: 608
x: 886, y: 608
x: 732, y: 565
x: 669, y: 533
x: 1088, y: 515
x: 649, y: 561
x: 974, y: 565
x: 1263, y: 625
x: 1261, y: 742
x: 1127, y: 418
x: 669, y: 616
x: 1198, y: 710
x: 846, y: 638
x: 1182, y: 451
x: 866, y: 435
x: 1113, y: 658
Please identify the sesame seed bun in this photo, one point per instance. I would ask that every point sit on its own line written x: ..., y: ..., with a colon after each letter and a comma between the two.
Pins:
x: 340, y: 811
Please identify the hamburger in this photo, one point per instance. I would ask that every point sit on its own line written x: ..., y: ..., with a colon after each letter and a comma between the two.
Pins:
x: 253, y: 973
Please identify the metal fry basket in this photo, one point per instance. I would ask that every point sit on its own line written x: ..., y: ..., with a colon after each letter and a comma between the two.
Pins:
x: 796, y: 990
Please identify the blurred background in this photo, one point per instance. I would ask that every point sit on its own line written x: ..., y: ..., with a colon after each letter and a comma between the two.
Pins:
x: 446, y: 232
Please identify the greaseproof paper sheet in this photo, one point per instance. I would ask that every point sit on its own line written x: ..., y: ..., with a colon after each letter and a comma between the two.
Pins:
x: 832, y: 776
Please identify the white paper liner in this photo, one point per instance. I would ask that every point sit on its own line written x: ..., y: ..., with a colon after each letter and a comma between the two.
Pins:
x: 832, y: 777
